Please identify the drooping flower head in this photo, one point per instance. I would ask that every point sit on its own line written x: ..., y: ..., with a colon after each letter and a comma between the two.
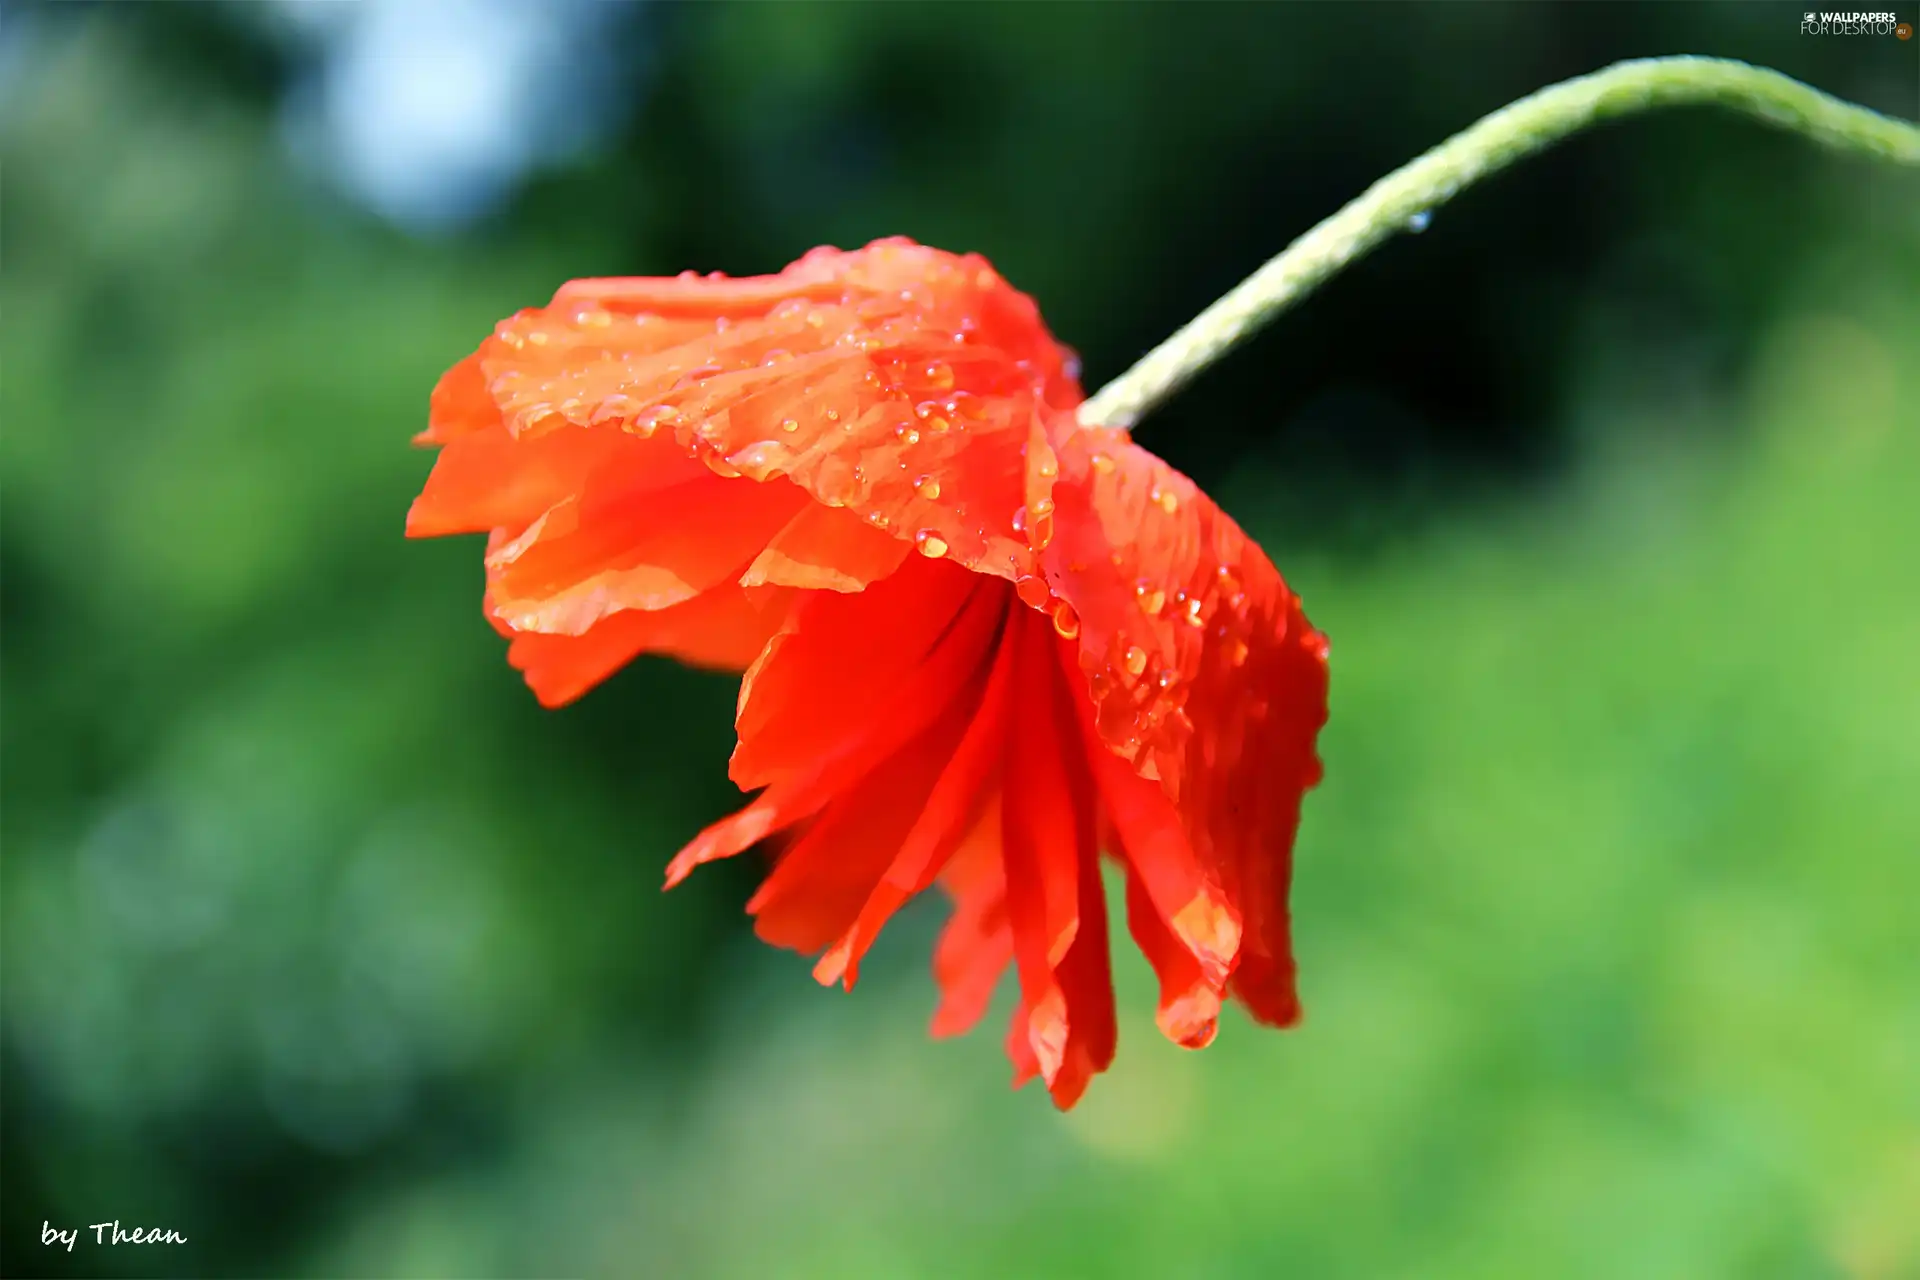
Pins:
x: 982, y: 644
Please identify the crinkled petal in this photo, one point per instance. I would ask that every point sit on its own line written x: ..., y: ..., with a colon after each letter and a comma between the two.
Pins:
x: 807, y: 745
x: 724, y: 629
x: 1206, y: 679
x: 976, y: 946
x: 817, y: 889
x: 590, y: 557
x: 970, y: 773
x: 845, y: 663
x: 899, y: 382
x: 1046, y: 833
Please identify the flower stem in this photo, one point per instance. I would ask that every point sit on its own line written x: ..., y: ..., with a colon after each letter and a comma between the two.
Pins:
x: 1403, y: 200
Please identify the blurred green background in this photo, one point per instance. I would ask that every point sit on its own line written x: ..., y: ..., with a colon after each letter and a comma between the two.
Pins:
x: 324, y: 946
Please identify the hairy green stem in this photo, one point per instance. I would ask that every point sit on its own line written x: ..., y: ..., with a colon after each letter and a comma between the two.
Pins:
x: 1404, y: 199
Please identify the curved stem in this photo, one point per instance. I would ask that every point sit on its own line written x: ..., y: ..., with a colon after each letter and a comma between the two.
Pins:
x: 1403, y: 200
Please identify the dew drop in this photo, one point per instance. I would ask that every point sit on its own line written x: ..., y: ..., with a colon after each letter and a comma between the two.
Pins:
x: 721, y: 467
x: 927, y: 487
x: 539, y: 337
x: 877, y: 519
x: 1151, y: 598
x: 1166, y: 678
x: 831, y: 415
x: 1103, y: 463
x: 1032, y: 590
x: 512, y: 339
x: 1169, y: 501
x: 661, y: 415
x: 1040, y: 507
x: 939, y: 375
x: 1136, y: 660
x: 612, y: 409
x: 930, y: 544
x: 1020, y: 520
x: 1066, y: 623
x: 779, y: 355
x: 789, y: 425
x: 907, y: 434
x: 1420, y: 221
x: 760, y: 461
x: 1195, y: 613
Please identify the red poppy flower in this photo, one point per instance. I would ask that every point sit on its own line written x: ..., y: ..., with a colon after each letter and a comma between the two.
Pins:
x: 981, y: 643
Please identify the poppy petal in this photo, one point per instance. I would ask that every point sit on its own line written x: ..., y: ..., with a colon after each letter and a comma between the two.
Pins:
x: 898, y: 382
x: 587, y: 558
x: 460, y: 404
x: 840, y: 663
x: 1042, y: 838
x: 1189, y: 1013
x: 826, y: 549
x: 976, y: 946
x: 1206, y: 679
x: 944, y: 820
x: 724, y: 629
x: 817, y: 889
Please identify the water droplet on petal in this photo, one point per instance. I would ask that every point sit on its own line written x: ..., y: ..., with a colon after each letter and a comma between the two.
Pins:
x: 661, y: 415
x: 779, y: 355
x: 1136, y: 660
x: 613, y: 408
x: 1420, y: 221
x: 927, y: 487
x: 760, y: 461
x: 1065, y: 621
x: 877, y: 519
x: 930, y: 544
x: 1103, y: 463
x: 1151, y: 598
x: 939, y: 375
x: 789, y: 424
x: 1032, y: 591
